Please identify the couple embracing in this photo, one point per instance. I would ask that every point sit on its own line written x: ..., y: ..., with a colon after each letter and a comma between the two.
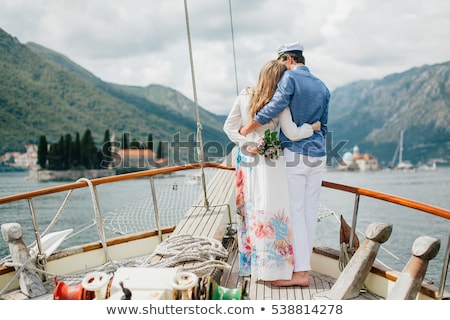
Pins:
x: 277, y: 195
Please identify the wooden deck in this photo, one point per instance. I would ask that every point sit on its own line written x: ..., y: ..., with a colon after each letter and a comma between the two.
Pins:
x: 263, y: 290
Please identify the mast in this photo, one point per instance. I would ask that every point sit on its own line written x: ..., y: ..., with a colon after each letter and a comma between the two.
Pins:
x: 400, y: 156
x: 394, y: 158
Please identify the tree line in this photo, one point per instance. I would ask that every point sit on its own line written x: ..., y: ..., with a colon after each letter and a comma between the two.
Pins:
x: 83, y: 153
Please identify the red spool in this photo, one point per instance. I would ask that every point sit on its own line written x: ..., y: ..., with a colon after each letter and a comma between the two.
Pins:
x: 77, y: 292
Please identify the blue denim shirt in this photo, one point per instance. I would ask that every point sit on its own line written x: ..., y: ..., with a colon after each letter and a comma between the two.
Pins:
x: 308, y: 98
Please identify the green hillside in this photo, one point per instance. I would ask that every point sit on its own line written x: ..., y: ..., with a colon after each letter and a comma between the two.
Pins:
x: 44, y: 93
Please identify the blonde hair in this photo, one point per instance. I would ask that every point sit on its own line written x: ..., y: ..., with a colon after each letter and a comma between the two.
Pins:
x: 269, y: 76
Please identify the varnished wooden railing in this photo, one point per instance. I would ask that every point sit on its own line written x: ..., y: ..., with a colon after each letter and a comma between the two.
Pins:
x: 444, y: 213
x: 441, y: 212
x: 110, y: 179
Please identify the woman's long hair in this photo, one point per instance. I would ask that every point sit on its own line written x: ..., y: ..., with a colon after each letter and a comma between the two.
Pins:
x: 267, y: 83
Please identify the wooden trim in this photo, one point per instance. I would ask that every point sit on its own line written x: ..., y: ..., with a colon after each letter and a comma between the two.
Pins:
x: 110, y: 179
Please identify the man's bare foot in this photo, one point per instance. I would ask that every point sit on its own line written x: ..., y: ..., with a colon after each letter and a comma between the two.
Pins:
x: 300, y: 278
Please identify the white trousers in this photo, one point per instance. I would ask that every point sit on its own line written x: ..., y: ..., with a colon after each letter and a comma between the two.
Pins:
x: 304, y: 176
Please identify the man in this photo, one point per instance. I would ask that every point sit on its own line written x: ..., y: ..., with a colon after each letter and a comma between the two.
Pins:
x: 308, y: 98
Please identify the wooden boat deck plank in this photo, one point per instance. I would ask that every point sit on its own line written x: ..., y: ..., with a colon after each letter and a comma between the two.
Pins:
x: 298, y: 293
x: 263, y: 290
x: 209, y: 223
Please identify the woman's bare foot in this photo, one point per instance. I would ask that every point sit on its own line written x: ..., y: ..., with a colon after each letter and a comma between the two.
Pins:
x: 300, y: 278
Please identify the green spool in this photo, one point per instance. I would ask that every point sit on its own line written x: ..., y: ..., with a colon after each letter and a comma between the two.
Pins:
x: 222, y: 293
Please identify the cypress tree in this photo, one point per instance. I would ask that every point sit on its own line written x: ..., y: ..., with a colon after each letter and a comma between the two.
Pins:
x: 42, y: 152
x: 106, y: 147
x: 88, y: 151
x: 76, y: 150
x: 150, y: 142
x: 159, y: 151
x: 61, y: 154
x: 125, y: 138
x: 68, y: 151
x: 54, y: 157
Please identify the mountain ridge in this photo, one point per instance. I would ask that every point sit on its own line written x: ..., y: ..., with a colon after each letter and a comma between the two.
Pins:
x: 45, y: 93
x: 416, y: 101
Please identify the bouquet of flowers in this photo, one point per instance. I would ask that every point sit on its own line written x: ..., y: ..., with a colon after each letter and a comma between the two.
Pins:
x: 270, y: 145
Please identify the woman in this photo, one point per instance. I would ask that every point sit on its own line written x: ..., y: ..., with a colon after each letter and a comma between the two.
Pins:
x: 262, y: 204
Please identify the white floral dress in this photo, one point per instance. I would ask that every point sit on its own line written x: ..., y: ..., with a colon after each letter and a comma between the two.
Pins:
x: 262, y: 201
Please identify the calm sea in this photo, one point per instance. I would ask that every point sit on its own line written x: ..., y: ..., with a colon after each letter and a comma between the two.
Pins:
x: 425, y: 186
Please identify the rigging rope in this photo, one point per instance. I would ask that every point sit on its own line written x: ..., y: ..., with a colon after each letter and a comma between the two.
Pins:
x: 234, y: 50
x: 98, y: 217
x: 199, y: 126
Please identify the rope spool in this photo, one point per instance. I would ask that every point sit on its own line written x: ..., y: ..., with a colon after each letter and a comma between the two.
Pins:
x: 67, y: 292
x: 97, y: 282
x: 185, y: 282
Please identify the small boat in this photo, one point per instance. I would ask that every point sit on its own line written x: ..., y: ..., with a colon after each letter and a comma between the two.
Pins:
x: 402, y: 164
x: 427, y: 166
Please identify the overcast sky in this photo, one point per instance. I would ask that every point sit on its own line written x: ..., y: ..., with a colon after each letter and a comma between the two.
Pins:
x: 142, y: 42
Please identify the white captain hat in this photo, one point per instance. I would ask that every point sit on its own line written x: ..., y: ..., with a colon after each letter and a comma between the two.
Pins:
x: 295, y: 46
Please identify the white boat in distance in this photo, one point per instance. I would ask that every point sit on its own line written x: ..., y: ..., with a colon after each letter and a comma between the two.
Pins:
x: 402, y: 164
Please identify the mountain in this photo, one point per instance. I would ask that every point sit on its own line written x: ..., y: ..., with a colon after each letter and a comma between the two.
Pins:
x: 171, y: 99
x: 371, y: 114
x: 44, y: 93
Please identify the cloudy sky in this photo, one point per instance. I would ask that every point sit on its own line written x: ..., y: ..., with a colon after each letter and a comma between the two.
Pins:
x: 142, y: 42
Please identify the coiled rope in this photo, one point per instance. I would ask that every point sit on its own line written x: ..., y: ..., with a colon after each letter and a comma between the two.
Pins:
x: 196, y: 254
